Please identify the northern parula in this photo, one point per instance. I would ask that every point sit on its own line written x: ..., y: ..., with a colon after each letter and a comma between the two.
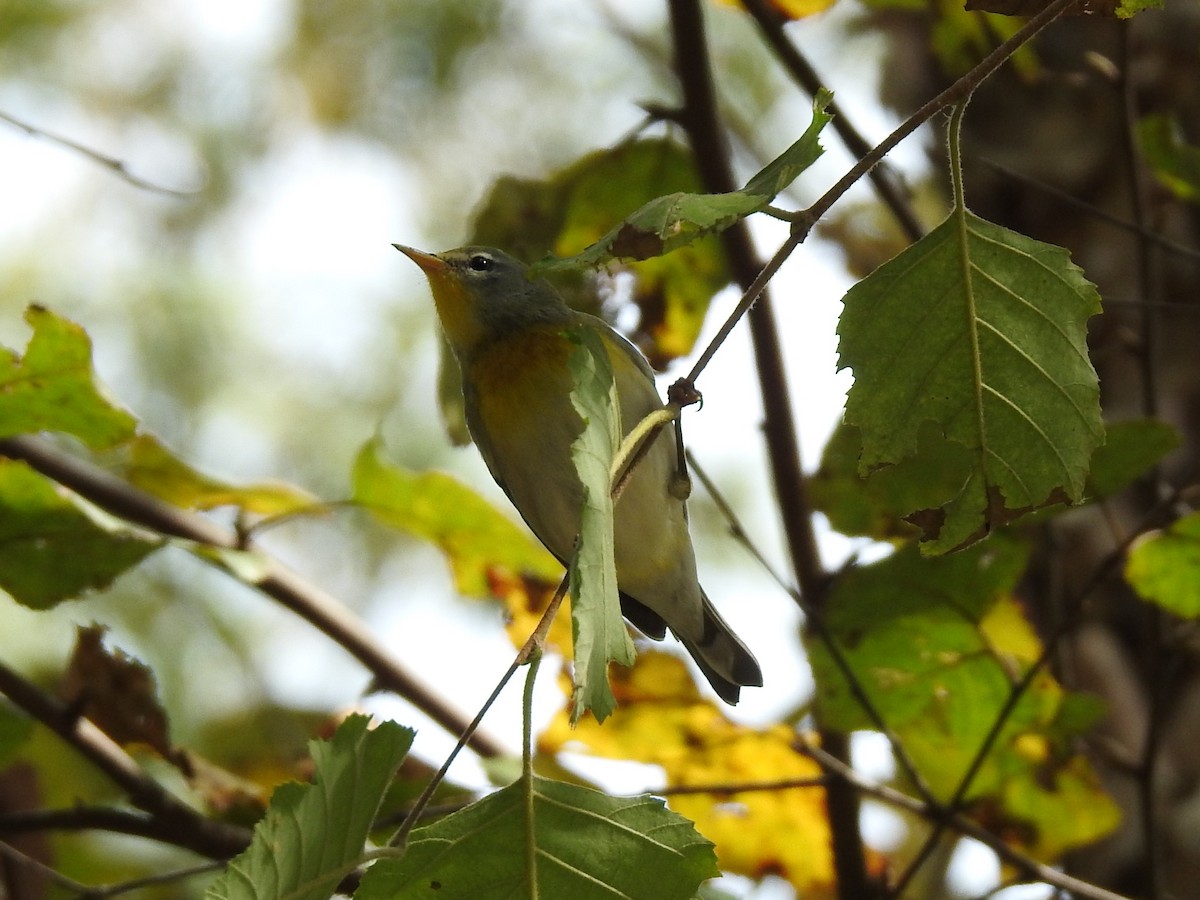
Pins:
x: 508, y: 333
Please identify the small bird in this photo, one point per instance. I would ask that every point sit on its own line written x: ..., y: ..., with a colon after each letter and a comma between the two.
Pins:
x: 508, y: 334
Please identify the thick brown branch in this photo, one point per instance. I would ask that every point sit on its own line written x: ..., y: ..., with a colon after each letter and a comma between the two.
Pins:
x: 175, y: 822
x: 700, y: 121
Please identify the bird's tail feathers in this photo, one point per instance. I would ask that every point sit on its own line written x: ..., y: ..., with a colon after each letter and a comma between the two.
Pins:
x: 722, y: 657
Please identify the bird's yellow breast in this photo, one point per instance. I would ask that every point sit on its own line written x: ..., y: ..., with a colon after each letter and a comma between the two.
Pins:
x: 521, y: 375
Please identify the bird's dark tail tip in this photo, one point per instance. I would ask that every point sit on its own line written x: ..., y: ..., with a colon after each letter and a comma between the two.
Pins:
x: 723, y: 658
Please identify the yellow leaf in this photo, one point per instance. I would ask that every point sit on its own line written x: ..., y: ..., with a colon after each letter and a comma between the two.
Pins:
x: 149, y: 465
x: 793, y: 9
x: 1009, y: 633
x: 525, y: 597
x: 662, y: 720
x: 476, y: 538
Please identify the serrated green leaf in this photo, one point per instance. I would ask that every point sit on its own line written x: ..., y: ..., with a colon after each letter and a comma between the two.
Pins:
x: 600, y: 635
x: 1174, y: 162
x: 672, y: 221
x: 53, y: 548
x: 982, y: 332
x: 438, y: 508
x: 1164, y: 568
x: 313, y: 834
x: 1129, y: 450
x: 547, y: 839
x: 53, y: 388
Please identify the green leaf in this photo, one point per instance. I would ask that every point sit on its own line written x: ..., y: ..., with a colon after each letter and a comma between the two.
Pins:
x: 936, y: 644
x: 875, y: 504
x: 1129, y: 450
x: 669, y: 222
x: 599, y: 632
x: 982, y: 332
x: 1127, y: 9
x: 313, y: 835
x: 53, y: 548
x: 437, y: 508
x: 53, y: 388
x: 15, y: 729
x: 547, y: 839
x: 1174, y: 162
x: 1165, y: 567
x: 145, y: 463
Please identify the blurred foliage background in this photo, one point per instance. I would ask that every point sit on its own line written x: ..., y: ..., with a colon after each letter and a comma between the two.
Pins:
x: 259, y: 321
x: 254, y: 316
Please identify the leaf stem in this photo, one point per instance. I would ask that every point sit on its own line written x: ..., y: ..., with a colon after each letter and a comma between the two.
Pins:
x: 531, y: 855
x: 954, y: 152
x: 635, y: 445
x: 531, y: 653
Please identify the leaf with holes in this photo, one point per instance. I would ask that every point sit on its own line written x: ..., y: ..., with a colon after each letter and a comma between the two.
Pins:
x: 675, y: 220
x: 980, y: 332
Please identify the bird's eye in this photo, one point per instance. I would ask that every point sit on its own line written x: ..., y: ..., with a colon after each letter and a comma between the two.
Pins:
x: 481, y: 263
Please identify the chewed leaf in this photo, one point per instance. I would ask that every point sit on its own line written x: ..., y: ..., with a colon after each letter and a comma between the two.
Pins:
x: 981, y: 332
x: 667, y: 223
x: 600, y: 635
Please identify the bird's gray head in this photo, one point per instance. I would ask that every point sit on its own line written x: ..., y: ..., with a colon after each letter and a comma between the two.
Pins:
x: 482, y: 293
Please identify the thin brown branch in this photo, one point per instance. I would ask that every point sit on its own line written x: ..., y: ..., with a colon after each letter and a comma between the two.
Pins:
x: 1148, y: 288
x: 1024, y: 863
x: 1182, y: 251
x: 961, y: 89
x: 83, y: 818
x: 886, y: 182
x: 176, y: 822
x: 274, y: 579
x: 116, y: 166
x: 532, y: 648
x: 743, y: 787
x: 99, y: 892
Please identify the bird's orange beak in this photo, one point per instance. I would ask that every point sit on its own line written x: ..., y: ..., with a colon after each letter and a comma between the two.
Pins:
x: 430, y: 264
x: 456, y: 307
